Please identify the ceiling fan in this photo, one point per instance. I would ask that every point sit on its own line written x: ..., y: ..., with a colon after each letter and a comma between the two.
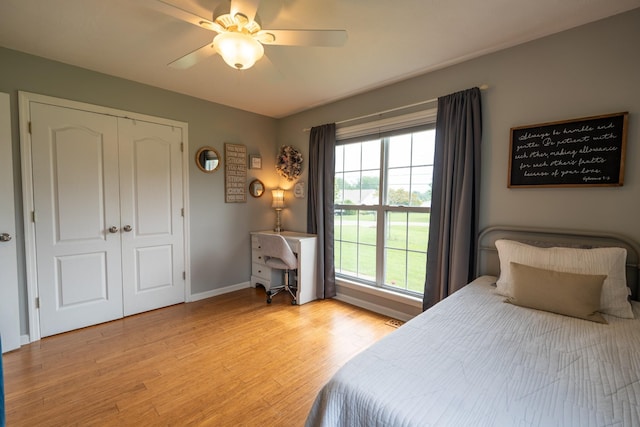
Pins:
x: 240, y: 38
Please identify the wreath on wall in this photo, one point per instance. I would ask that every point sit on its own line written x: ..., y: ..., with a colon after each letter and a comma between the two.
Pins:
x: 289, y: 163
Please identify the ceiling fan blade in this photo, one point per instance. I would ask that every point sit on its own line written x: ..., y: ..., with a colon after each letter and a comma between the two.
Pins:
x: 184, y: 15
x: 303, y: 37
x: 247, y: 8
x: 192, y: 58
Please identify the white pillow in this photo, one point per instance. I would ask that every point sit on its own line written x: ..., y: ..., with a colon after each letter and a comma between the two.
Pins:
x: 609, y: 261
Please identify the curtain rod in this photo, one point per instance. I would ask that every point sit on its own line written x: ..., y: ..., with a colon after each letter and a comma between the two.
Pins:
x: 391, y: 110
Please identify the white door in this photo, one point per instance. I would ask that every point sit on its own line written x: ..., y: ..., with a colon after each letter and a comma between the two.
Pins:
x: 77, y: 217
x: 151, y: 215
x: 9, y: 314
x: 108, y: 202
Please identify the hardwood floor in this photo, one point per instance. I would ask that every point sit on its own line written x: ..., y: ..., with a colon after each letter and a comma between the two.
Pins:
x: 228, y: 360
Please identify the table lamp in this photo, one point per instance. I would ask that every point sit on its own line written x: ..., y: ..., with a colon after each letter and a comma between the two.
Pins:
x: 278, y: 205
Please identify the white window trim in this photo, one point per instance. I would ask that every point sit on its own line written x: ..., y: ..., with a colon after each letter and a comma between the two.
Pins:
x: 424, y: 117
x: 386, y: 125
x: 391, y: 295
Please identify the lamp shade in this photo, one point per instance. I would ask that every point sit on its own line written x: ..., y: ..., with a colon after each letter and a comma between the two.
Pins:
x: 238, y: 50
x: 278, y: 198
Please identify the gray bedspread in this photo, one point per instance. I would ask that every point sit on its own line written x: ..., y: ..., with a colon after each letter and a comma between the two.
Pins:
x: 473, y: 360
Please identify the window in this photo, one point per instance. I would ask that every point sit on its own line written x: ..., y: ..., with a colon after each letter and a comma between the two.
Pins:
x: 382, y: 206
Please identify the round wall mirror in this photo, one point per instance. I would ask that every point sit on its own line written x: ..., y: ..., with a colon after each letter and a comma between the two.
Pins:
x: 208, y: 159
x: 256, y: 188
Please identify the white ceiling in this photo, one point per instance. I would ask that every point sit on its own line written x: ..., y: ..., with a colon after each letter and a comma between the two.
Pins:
x: 387, y: 41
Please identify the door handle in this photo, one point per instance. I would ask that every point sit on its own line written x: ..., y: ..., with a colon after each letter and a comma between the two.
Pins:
x: 5, y: 237
x: 113, y: 229
x: 127, y: 228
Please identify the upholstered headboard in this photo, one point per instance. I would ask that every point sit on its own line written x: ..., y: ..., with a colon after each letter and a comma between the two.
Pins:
x: 488, y: 262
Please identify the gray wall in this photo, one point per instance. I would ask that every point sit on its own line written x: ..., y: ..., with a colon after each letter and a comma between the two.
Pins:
x: 220, y: 250
x: 590, y: 70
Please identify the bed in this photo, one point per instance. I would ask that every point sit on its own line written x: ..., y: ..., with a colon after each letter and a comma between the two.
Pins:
x: 475, y: 360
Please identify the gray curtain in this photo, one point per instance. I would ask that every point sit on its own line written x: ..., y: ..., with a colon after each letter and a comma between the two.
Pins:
x: 453, y: 228
x: 322, y: 146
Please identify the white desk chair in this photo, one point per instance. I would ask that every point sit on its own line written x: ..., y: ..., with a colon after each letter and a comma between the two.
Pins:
x: 277, y: 254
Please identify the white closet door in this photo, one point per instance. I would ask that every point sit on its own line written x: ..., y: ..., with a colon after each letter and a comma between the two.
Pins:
x: 76, y: 200
x: 151, y: 215
x: 9, y: 314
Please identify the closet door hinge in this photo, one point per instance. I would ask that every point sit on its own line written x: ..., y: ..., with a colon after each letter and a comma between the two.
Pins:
x: 182, y: 212
x: 182, y: 147
x: 37, y: 302
x: 33, y: 216
x: 184, y: 275
x: 29, y: 127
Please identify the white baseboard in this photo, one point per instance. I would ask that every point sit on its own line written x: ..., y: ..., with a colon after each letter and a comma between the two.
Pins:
x: 374, y: 307
x: 220, y: 291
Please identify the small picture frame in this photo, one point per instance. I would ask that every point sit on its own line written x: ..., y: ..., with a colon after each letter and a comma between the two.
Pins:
x: 298, y: 190
x: 255, y: 162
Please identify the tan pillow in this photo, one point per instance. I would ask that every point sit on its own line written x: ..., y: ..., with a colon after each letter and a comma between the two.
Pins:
x: 570, y: 294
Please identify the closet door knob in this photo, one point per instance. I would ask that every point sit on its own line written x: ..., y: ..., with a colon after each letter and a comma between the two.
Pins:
x: 127, y: 228
x: 5, y: 237
x: 113, y: 229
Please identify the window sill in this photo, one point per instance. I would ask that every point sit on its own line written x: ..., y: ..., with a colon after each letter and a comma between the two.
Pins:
x: 382, y: 293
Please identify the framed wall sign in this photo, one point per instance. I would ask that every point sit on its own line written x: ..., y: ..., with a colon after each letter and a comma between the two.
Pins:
x: 235, y: 173
x: 298, y: 190
x: 572, y: 153
x: 255, y: 162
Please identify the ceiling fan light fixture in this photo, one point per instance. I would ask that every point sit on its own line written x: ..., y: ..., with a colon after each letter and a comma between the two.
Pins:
x: 241, y: 19
x: 238, y: 50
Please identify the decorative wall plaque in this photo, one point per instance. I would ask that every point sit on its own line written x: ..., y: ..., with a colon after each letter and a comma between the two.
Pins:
x: 235, y: 173
x: 572, y: 153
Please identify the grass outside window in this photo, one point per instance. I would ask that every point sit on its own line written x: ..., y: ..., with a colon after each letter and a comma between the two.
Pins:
x: 382, y: 200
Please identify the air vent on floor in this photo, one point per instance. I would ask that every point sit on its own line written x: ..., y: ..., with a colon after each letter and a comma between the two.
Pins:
x: 394, y: 323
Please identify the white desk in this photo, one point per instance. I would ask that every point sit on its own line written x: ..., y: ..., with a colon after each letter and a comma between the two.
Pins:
x: 304, y: 246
